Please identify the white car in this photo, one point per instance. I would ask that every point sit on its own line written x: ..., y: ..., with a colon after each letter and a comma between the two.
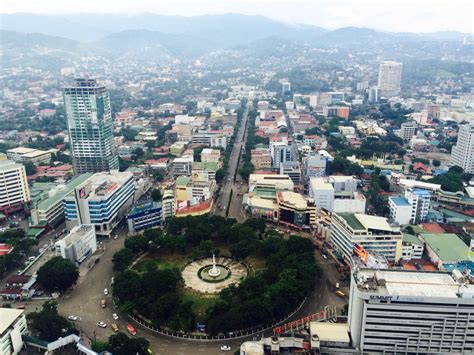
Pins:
x: 106, y: 292
x: 101, y: 324
x: 225, y: 348
x: 72, y: 317
x: 115, y: 237
x: 115, y: 316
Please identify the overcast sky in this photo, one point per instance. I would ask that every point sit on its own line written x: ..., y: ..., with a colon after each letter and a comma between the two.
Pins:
x: 389, y: 15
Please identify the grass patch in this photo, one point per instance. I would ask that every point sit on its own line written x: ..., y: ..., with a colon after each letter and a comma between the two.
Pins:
x: 257, y: 263
x: 200, y: 303
x: 166, y: 262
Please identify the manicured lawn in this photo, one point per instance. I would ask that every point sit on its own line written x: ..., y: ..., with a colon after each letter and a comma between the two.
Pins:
x: 166, y: 262
x: 257, y: 263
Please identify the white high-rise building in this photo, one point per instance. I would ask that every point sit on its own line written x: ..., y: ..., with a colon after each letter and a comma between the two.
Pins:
x: 12, y: 327
x: 390, y: 76
x: 462, y: 154
x: 408, y: 130
x: 14, y: 191
x: 414, y: 312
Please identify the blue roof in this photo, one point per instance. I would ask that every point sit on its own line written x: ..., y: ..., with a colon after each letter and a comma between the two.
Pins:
x: 437, y: 172
x: 400, y: 201
x: 147, y: 206
x: 421, y: 192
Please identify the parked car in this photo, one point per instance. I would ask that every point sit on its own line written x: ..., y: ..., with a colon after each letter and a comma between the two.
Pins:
x: 131, y: 329
x: 106, y: 292
x: 115, y: 316
x: 102, y: 324
x: 225, y: 348
x: 74, y: 318
x: 114, y: 327
x: 102, y: 303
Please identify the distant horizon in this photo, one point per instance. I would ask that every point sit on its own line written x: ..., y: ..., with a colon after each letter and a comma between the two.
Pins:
x: 413, y: 16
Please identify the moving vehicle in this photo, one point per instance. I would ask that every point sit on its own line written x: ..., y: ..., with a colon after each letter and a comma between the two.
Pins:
x: 106, y: 292
x: 340, y: 293
x: 131, y: 329
x: 115, y: 316
x: 337, y: 285
x: 225, y: 348
x: 72, y: 317
x: 114, y: 327
x: 102, y: 303
x: 102, y: 324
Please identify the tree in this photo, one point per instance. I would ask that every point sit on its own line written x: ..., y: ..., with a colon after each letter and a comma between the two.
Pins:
x: 121, y: 344
x: 156, y: 195
x: 30, y: 168
x: 128, y: 133
x: 58, y: 274
x: 136, y: 244
x: 436, y: 162
x: 138, y: 152
x: 49, y: 324
x: 122, y: 259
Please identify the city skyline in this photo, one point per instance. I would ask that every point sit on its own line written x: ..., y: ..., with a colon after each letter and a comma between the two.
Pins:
x: 387, y: 16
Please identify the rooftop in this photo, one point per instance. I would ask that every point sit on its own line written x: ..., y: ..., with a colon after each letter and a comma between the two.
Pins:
x: 182, y: 180
x: 449, y: 247
x: 145, y: 207
x: 412, y: 283
x: 399, y: 201
x: 7, y: 317
x: 209, y: 166
x: 77, y: 233
x: 9, y: 165
x: 359, y: 221
x: 412, y: 239
x: 330, y: 332
x: 294, y: 199
x: 321, y: 184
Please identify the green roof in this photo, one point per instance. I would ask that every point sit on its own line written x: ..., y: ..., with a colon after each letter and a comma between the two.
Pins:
x: 135, y: 169
x: 410, y: 238
x: 71, y: 185
x: 34, y: 232
x: 449, y: 247
x: 206, y: 166
x: 182, y: 180
x: 351, y: 220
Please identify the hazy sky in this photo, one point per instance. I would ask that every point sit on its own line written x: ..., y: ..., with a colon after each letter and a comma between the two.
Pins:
x: 390, y: 15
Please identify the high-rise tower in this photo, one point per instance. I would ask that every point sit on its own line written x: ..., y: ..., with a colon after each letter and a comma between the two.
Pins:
x: 90, y: 126
x: 390, y: 76
x: 462, y: 153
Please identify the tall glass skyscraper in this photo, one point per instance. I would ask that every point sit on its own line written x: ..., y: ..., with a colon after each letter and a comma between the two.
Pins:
x: 90, y: 126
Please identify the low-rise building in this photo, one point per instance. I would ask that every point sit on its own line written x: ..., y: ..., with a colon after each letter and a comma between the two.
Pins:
x: 35, y: 156
x: 145, y: 215
x: 261, y: 158
x: 209, y: 155
x: 269, y: 184
x: 183, y: 166
x: 412, y: 247
x: 204, y: 171
x: 78, y: 244
x: 210, y: 139
x: 12, y: 326
x: 294, y: 209
x: 400, y: 210
x: 444, y: 248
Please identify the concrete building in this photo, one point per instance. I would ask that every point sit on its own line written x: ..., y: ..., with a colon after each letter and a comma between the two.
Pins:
x: 90, y: 126
x: 285, y: 87
x: 281, y: 153
x: 50, y: 210
x: 183, y: 166
x: 408, y: 131
x: 14, y: 191
x: 12, y: 327
x: 261, y: 158
x: 412, y: 247
x: 373, y: 233
x: 374, y: 95
x: 294, y: 209
x: 462, y: 154
x: 419, y: 200
x: 204, y: 171
x: 323, y: 193
x: 144, y: 216
x: 336, y: 111
x: 168, y: 204
x: 209, y: 155
x: 35, y: 156
x: 315, y: 165
x: 293, y: 170
x: 394, y: 311
x: 210, y: 139
x: 269, y: 184
x: 102, y: 200
x: 78, y: 244
x: 400, y: 210
x: 444, y: 248
x: 390, y: 76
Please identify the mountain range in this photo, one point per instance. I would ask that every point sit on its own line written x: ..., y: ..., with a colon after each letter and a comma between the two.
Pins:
x: 165, y: 37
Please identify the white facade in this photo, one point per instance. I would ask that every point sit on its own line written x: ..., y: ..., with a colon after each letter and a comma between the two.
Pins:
x: 400, y: 210
x: 323, y: 193
x: 393, y: 311
x: 12, y: 327
x: 183, y: 166
x: 390, y: 76
x: 408, y: 131
x: 14, y: 189
x: 462, y: 154
x: 419, y: 201
x: 80, y: 243
x: 337, y: 194
x: 355, y: 204
x: 412, y: 250
x: 371, y: 232
x: 168, y: 204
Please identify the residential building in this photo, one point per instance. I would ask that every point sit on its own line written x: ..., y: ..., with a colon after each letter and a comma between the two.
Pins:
x: 281, y: 153
x: 336, y: 111
x: 419, y: 200
x: 50, y: 208
x: 462, y: 154
x: 144, y: 216
x: 374, y: 94
x: 373, y: 233
x: 78, y: 244
x: 410, y: 312
x: 183, y: 166
x: 294, y: 209
x: 12, y: 327
x: 14, y: 191
x: 412, y: 247
x: 390, y: 76
x: 400, y: 210
x: 35, y: 156
x: 168, y: 205
x: 177, y: 148
x: 408, y: 131
x: 90, y: 126
x: 102, y: 200
x: 433, y: 110
x: 209, y: 155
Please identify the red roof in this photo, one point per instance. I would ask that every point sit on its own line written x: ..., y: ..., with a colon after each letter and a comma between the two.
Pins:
x: 196, y: 208
x: 5, y: 249
x: 433, y: 228
x: 420, y: 166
